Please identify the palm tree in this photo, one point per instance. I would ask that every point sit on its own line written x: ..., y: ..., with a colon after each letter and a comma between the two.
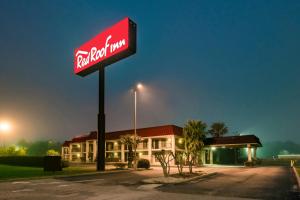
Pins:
x: 128, y: 140
x: 194, y: 133
x: 218, y: 129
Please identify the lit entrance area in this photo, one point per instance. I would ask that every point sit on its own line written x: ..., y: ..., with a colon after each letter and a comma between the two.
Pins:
x: 232, y: 150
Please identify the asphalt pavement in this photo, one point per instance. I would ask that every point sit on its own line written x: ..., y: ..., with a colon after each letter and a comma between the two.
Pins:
x: 229, y: 183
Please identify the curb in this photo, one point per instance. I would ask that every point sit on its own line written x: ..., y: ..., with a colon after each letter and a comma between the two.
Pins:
x: 297, y: 176
x: 180, y: 181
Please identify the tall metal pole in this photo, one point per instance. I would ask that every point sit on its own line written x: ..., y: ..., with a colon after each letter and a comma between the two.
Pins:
x: 135, y: 135
x: 101, y: 123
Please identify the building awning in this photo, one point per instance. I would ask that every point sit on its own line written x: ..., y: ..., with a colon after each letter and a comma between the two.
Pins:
x: 233, y: 141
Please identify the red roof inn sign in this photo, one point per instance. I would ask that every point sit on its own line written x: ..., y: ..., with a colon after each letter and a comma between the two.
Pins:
x: 113, y: 44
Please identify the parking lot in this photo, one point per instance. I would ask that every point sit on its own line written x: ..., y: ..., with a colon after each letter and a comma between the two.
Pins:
x: 228, y: 183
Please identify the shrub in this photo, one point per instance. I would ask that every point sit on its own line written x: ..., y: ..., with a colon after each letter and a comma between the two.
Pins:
x: 249, y: 164
x: 143, y: 163
x: 52, y: 152
x: 120, y: 165
x: 52, y: 163
x: 30, y: 161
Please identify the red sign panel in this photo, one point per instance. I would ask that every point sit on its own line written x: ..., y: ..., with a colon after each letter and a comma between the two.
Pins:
x: 113, y: 44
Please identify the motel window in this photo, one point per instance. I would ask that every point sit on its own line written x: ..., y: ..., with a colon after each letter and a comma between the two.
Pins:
x: 155, y: 144
x: 109, y: 146
x: 66, y: 150
x: 145, y: 144
x: 75, y: 147
x: 83, y: 147
x: 117, y: 146
x: 91, y: 147
x: 143, y: 153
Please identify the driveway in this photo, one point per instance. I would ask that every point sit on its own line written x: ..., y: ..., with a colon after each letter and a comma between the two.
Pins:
x: 258, y: 183
x: 229, y: 183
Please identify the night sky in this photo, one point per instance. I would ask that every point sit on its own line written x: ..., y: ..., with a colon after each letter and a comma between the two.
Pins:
x: 231, y: 61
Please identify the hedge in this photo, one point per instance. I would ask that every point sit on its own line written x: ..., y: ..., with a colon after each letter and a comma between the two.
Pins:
x: 29, y: 161
x: 143, y: 163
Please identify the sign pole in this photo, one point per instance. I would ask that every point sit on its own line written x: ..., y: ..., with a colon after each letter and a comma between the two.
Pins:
x: 108, y: 47
x: 101, y: 122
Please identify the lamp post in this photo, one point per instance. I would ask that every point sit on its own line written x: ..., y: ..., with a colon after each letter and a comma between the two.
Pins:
x: 137, y: 87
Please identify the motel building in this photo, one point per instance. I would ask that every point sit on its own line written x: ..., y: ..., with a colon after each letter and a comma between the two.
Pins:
x: 217, y: 150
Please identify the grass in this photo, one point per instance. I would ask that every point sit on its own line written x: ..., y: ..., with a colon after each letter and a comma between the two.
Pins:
x: 13, y: 172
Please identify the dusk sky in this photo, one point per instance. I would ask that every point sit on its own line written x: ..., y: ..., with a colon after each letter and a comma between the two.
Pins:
x: 231, y: 61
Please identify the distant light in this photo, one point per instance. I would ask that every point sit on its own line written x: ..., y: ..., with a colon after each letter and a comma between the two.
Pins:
x: 213, y: 148
x: 5, y: 127
x: 139, y: 86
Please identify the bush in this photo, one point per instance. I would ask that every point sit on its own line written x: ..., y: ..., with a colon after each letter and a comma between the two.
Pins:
x: 143, y: 163
x: 30, y: 161
x: 120, y: 165
x: 52, y: 152
x: 52, y: 163
x: 249, y: 164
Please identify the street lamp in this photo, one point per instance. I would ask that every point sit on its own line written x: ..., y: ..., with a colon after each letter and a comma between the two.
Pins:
x: 139, y: 86
x: 5, y: 127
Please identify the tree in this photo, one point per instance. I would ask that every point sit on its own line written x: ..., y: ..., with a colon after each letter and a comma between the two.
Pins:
x: 40, y: 148
x: 52, y: 152
x: 128, y: 140
x: 218, y: 129
x: 179, y: 161
x: 12, y: 151
x: 164, y: 158
x: 194, y: 133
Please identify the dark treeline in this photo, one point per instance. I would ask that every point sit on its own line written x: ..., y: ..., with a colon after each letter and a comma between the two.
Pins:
x: 36, y: 148
x: 39, y: 148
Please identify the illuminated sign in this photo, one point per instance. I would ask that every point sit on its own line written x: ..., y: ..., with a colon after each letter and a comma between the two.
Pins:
x: 113, y: 44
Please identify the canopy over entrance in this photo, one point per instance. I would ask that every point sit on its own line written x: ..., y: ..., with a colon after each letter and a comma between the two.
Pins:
x: 231, y: 149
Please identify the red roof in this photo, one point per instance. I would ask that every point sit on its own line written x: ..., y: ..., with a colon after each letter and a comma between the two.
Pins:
x: 66, y: 144
x: 147, y: 132
x: 143, y: 132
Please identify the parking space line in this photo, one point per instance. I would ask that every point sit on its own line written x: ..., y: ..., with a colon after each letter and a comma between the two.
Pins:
x: 23, y: 190
x: 91, y: 180
x: 20, y: 182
